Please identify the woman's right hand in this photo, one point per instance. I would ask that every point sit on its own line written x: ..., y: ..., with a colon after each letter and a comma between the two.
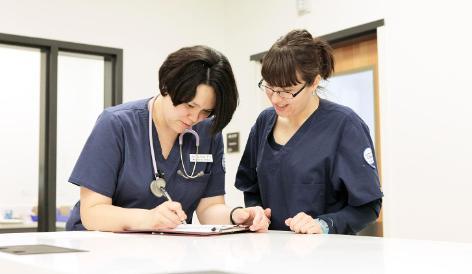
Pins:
x: 167, y: 215
x: 257, y: 218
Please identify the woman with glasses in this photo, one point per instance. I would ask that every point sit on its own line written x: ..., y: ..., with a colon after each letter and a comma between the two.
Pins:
x: 138, y: 155
x: 310, y: 161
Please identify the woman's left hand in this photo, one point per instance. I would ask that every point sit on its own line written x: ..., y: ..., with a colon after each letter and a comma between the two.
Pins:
x: 304, y: 223
x: 255, y: 217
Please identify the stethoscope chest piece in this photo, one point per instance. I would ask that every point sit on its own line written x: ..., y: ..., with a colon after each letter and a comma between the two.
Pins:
x: 157, y: 186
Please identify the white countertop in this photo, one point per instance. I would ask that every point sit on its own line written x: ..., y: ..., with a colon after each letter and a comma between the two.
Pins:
x: 273, y: 252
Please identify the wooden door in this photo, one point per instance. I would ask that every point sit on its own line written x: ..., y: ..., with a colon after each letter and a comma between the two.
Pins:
x: 355, y: 56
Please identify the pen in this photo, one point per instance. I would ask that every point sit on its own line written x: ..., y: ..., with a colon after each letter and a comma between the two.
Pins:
x: 164, y: 191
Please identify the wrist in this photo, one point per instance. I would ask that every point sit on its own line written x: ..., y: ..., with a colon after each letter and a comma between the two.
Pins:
x: 138, y: 219
x: 231, y: 215
x: 323, y: 226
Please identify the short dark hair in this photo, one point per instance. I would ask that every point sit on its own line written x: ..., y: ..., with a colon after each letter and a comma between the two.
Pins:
x: 297, y: 51
x: 185, y: 69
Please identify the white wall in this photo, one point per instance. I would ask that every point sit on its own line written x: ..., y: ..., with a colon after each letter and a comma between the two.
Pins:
x: 147, y: 30
x: 424, y: 58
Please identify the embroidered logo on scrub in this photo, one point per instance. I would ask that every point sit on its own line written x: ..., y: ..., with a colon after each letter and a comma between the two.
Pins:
x: 369, y: 157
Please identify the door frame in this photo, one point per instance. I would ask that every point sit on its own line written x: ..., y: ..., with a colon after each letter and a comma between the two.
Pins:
x: 339, y: 37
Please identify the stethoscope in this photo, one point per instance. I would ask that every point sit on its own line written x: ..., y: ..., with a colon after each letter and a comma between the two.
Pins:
x: 158, y: 184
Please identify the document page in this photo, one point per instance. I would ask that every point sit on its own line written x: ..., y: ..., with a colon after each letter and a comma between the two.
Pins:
x: 204, y: 230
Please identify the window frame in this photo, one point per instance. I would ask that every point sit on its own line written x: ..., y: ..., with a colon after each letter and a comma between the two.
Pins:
x: 113, y: 95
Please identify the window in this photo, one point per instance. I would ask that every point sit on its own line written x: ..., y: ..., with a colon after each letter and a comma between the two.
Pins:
x: 42, y: 84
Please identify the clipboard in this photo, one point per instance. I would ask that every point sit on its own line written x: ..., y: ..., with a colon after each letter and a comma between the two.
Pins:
x: 36, y: 249
x: 196, y: 230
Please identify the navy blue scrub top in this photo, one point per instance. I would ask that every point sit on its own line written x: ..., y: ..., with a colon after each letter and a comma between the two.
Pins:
x: 327, y: 170
x: 116, y: 162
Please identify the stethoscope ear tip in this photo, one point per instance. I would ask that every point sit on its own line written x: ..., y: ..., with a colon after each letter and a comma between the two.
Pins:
x: 199, y: 174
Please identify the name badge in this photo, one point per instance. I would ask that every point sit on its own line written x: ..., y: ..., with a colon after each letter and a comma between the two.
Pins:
x: 201, y: 158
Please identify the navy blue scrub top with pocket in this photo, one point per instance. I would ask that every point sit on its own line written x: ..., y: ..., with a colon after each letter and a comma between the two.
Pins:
x: 327, y: 170
x: 116, y: 162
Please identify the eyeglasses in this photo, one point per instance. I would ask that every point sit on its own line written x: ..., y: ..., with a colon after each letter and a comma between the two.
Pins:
x: 282, y: 93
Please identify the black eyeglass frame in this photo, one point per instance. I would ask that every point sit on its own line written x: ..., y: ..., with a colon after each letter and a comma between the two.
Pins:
x: 260, y: 85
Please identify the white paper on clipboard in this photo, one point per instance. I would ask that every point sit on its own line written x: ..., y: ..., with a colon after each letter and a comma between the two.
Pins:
x: 200, y: 230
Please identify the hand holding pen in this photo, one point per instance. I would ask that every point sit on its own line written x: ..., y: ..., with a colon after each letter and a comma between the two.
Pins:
x: 166, y: 194
x: 167, y: 215
x: 158, y: 188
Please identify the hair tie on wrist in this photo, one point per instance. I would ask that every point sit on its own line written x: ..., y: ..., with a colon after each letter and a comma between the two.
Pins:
x: 231, y: 215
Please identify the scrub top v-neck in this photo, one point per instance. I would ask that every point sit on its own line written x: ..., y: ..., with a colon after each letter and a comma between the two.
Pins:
x: 320, y: 170
x: 116, y: 162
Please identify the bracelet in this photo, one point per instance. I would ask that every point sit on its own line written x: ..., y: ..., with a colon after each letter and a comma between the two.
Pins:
x: 231, y: 214
x: 324, y: 226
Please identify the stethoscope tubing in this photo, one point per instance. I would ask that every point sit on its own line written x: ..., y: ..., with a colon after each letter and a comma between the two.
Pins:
x: 158, y: 174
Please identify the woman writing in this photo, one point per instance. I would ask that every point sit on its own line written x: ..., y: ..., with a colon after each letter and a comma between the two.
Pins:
x: 170, y: 144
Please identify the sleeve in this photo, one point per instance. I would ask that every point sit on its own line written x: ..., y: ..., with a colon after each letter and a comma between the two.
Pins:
x: 354, y: 168
x: 100, y: 161
x: 246, y: 176
x: 216, y: 184
x: 352, y: 219
x: 355, y: 172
